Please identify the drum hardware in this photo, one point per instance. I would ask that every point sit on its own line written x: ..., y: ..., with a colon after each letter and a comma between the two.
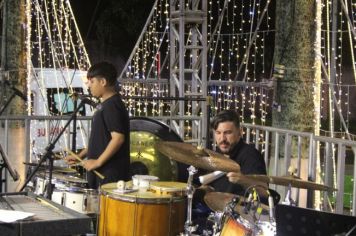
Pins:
x: 272, y: 217
x: 216, y: 218
x: 189, y: 228
x: 229, y: 209
x: 288, y: 200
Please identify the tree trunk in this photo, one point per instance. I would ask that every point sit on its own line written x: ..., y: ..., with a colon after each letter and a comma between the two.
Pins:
x: 15, y: 52
x: 296, y: 70
x: 294, y: 53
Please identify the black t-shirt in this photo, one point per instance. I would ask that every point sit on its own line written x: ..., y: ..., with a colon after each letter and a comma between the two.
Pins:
x: 250, y: 161
x: 111, y: 115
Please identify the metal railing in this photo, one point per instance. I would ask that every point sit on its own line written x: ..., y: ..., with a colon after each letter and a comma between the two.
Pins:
x: 278, y: 146
x: 326, y: 158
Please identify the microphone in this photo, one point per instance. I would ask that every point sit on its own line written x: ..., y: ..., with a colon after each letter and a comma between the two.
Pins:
x: 208, y: 178
x: 89, y: 102
x: 271, y: 206
x: 84, y: 98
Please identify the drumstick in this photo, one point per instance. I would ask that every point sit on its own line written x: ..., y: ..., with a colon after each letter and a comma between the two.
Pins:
x: 81, y: 161
x: 208, y: 178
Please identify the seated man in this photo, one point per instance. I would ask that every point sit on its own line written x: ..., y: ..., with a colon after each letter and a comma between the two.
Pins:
x: 228, y: 138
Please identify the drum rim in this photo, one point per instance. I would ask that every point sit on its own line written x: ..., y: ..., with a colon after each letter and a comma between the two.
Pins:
x: 142, y: 200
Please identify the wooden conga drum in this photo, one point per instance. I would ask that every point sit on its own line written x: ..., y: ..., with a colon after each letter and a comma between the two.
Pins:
x: 141, y: 212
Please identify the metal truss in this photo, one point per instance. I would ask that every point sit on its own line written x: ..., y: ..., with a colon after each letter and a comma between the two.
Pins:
x: 188, y: 60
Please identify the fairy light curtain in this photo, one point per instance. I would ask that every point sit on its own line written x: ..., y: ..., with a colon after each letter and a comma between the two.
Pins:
x: 231, y: 25
x: 338, y: 52
x: 56, y: 57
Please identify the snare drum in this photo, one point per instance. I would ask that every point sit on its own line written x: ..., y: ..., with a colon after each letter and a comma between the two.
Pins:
x: 140, y: 212
x: 60, y: 181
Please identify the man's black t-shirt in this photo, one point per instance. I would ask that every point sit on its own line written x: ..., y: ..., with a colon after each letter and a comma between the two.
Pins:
x: 250, y: 161
x: 111, y: 115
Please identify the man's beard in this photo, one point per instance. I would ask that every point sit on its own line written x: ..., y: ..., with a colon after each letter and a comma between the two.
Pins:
x: 225, y: 151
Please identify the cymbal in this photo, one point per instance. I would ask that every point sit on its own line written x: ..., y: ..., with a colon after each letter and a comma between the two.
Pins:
x: 290, y: 180
x: 217, y: 201
x: 200, y: 158
x: 55, y: 168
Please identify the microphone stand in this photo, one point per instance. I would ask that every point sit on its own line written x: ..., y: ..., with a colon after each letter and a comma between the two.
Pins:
x: 48, y: 155
x: 74, y: 128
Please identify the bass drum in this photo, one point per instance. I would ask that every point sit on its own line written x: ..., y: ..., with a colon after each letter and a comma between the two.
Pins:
x: 145, y: 159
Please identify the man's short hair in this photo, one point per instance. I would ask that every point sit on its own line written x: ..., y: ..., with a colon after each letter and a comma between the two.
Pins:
x: 104, y: 70
x: 225, y: 116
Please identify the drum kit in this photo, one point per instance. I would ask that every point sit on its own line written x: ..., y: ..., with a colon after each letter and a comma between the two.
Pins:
x: 70, y: 189
x: 232, y: 214
x: 148, y: 206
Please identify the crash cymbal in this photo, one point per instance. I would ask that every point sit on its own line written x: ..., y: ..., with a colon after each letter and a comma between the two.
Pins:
x: 217, y: 201
x: 200, y: 158
x: 290, y: 180
x: 55, y: 168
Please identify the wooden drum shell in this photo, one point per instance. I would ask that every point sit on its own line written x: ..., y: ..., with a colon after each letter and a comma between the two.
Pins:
x: 141, y: 213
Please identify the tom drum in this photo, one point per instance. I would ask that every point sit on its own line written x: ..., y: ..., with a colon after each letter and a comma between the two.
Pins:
x: 238, y: 227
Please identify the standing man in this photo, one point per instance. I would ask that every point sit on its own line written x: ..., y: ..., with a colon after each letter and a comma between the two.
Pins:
x: 108, y: 150
x: 228, y: 137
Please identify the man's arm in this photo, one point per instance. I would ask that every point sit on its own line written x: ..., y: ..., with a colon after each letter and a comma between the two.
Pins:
x: 117, y: 139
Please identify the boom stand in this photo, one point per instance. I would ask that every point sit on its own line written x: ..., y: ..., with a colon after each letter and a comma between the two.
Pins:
x: 188, y: 227
x: 48, y: 155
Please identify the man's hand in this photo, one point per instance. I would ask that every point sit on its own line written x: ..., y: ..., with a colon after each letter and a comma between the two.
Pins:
x: 234, y: 177
x: 91, y: 164
x: 71, y: 160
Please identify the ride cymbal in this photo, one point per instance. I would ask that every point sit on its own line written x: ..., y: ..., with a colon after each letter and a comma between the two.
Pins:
x: 200, y: 158
x: 290, y: 181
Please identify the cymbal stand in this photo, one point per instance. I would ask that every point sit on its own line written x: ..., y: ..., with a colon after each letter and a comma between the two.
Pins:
x: 188, y: 227
x: 288, y: 200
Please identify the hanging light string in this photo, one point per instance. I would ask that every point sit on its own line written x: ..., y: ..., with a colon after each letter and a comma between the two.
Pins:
x: 224, y: 53
x: 58, y: 45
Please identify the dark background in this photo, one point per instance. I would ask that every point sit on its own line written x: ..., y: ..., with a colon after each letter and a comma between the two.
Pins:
x: 110, y: 28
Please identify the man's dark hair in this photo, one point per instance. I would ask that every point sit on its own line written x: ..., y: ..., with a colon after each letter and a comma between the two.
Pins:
x: 224, y: 116
x: 104, y: 70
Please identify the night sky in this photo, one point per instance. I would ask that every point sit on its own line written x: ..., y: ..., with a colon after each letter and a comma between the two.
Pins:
x: 110, y: 28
